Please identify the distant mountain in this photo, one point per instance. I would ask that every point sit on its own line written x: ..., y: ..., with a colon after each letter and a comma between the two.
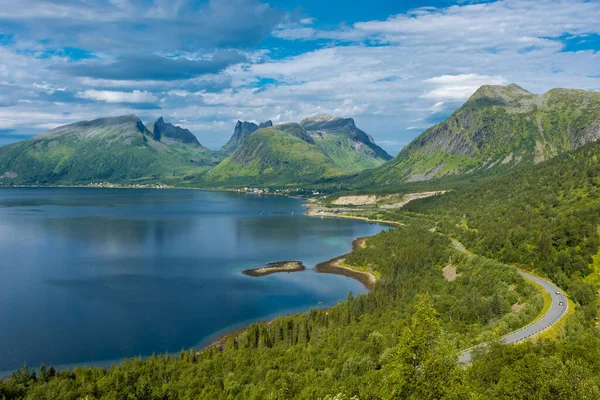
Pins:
x: 241, y: 131
x: 116, y: 150
x: 123, y: 150
x: 317, y: 148
x: 279, y: 155
x: 349, y: 147
x: 498, y: 127
x: 166, y: 131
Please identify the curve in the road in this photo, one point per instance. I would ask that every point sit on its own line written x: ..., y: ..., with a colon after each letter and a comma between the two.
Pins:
x: 558, y: 309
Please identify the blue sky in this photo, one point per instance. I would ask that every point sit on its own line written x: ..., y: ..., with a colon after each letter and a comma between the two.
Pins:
x: 397, y: 67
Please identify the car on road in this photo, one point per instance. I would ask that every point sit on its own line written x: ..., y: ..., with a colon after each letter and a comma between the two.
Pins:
x: 560, y: 304
x: 557, y: 292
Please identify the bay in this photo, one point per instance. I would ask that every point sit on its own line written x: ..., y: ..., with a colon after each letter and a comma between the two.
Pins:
x: 90, y: 276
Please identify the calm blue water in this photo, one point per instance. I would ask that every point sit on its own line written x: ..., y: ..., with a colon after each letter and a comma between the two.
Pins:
x: 88, y: 275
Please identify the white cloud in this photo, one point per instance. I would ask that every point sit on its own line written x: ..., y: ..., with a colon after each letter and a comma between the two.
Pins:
x: 307, y: 21
x: 48, y: 87
x: 110, y: 96
x: 436, y: 107
x: 427, y: 63
x: 458, y: 87
x: 507, y: 24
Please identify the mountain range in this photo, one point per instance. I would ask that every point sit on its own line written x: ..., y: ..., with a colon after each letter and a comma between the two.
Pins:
x: 319, y: 147
x: 122, y: 150
x: 497, y: 129
x: 116, y: 150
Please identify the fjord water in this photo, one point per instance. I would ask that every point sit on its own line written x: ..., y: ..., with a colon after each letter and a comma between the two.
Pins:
x: 88, y: 275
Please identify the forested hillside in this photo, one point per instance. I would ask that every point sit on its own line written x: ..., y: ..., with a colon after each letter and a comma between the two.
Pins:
x: 401, y: 338
x: 544, y: 218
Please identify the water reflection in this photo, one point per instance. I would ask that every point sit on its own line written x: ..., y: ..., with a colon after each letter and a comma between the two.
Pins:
x: 100, y: 274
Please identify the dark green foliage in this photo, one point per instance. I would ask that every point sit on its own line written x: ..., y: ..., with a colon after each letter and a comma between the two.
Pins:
x: 543, y: 218
x: 563, y: 370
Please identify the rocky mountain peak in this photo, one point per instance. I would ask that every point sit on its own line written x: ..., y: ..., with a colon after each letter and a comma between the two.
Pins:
x: 242, y: 130
x: 161, y: 129
x: 266, y: 124
x: 500, y: 127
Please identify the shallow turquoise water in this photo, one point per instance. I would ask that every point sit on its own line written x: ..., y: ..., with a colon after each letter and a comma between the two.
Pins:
x: 88, y: 275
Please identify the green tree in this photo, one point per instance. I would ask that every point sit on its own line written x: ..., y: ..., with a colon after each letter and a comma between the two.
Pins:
x: 425, y: 364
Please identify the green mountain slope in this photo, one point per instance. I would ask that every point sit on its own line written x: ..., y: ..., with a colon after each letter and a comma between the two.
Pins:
x: 115, y: 150
x: 319, y: 147
x: 499, y: 126
x: 279, y: 155
x: 349, y: 147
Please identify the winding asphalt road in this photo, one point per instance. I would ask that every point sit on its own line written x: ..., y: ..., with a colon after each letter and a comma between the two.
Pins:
x: 557, y: 310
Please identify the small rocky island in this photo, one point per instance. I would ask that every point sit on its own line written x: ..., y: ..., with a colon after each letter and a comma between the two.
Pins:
x: 274, y: 267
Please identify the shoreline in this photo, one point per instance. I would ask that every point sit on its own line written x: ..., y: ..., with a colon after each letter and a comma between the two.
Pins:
x: 334, y: 266
x: 313, y: 210
x: 327, y: 267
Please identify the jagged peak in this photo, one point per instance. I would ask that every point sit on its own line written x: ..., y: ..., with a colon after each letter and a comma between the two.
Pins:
x: 242, y: 130
x: 161, y: 128
x: 266, y: 124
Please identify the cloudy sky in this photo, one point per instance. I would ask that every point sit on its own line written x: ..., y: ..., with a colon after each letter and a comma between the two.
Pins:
x: 397, y: 67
